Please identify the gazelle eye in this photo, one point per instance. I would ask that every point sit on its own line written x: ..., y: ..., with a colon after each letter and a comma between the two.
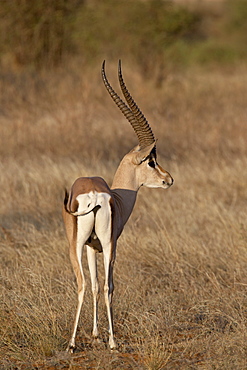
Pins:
x: 151, y: 164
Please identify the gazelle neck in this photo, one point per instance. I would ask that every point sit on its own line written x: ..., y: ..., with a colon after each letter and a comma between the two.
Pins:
x: 125, y: 176
x: 124, y: 188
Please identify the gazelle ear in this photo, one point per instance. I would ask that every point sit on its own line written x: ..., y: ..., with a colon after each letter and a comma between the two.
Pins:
x: 141, y: 154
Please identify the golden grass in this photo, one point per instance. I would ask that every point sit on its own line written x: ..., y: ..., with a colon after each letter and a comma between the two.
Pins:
x: 180, y: 276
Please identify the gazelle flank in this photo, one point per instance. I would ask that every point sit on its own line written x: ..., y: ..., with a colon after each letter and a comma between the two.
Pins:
x: 95, y: 214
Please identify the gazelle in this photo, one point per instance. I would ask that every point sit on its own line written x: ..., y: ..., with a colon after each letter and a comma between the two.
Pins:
x: 95, y: 214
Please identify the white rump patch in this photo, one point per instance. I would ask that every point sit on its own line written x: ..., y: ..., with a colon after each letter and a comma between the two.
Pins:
x: 87, y: 202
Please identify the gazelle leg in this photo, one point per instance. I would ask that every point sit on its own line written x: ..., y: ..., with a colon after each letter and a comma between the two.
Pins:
x: 108, y: 290
x: 92, y: 264
x: 84, y: 227
x: 103, y: 229
x: 75, y: 257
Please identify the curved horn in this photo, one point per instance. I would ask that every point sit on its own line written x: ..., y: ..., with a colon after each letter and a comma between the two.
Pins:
x: 127, y: 112
x: 144, y: 130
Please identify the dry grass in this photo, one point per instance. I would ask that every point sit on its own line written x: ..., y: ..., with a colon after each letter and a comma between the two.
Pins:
x: 180, y: 277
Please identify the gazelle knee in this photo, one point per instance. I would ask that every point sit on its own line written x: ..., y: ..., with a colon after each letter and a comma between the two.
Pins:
x: 108, y: 289
x: 81, y: 291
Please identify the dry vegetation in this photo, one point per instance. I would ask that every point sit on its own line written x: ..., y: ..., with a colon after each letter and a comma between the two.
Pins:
x: 180, y: 276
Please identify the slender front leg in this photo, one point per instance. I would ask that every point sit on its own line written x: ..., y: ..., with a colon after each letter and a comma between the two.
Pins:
x: 109, y: 259
x: 92, y: 264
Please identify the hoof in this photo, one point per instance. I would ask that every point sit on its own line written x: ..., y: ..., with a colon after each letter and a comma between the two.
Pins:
x: 71, y: 348
x: 112, y: 345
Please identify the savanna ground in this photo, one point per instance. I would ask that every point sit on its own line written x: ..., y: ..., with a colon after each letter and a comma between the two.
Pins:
x: 180, y: 275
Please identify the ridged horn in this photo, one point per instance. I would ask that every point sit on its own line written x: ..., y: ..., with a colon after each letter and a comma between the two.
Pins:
x: 127, y: 112
x: 144, y: 130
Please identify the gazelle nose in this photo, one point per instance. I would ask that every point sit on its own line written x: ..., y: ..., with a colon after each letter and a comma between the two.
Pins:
x: 169, y: 181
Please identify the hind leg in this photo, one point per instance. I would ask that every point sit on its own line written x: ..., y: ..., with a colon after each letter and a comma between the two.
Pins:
x: 75, y: 257
x: 92, y: 264
x: 103, y: 228
x: 78, y: 237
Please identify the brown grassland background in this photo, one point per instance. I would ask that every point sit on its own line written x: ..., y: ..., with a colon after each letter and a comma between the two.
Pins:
x: 180, y: 276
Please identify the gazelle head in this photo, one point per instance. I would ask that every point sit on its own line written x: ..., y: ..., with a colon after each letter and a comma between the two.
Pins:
x: 147, y: 171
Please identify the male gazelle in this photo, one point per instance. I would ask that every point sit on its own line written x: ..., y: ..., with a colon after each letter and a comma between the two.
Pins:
x: 95, y: 214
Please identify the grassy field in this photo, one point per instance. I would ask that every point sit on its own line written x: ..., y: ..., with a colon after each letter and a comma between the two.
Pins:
x: 180, y: 275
